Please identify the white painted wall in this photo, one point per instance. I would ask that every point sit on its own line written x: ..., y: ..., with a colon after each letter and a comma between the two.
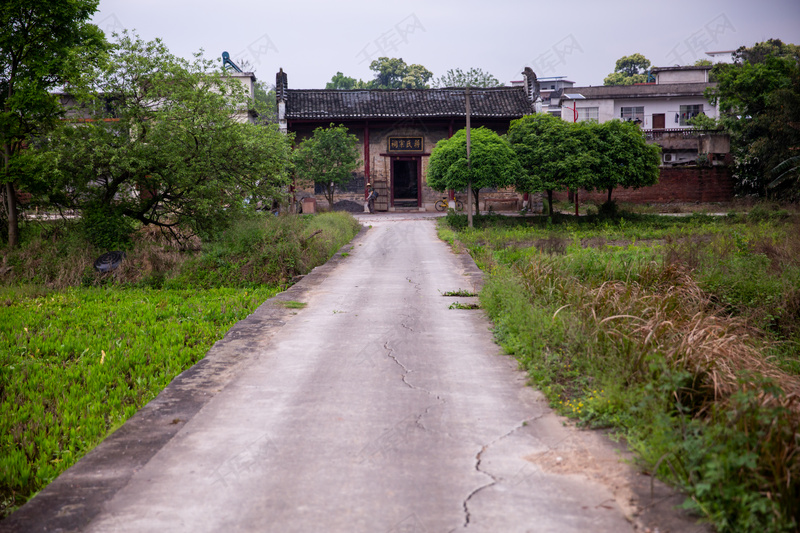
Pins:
x: 682, y: 76
x: 669, y: 106
x: 605, y: 108
x: 609, y: 109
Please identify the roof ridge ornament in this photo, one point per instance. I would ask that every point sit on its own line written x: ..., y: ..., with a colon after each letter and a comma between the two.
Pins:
x: 532, y: 88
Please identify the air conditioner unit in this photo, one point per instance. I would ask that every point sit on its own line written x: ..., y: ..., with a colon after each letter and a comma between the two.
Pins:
x: 668, y: 158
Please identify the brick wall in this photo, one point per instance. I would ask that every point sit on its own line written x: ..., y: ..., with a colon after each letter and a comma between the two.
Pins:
x: 675, y: 185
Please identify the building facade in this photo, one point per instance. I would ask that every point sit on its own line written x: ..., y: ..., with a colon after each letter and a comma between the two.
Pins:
x: 396, y: 130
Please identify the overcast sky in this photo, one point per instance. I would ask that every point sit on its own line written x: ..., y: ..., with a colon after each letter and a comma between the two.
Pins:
x: 580, y: 39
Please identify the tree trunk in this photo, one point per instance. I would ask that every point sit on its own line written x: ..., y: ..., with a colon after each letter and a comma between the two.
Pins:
x: 10, y: 201
x: 329, y: 192
x: 550, y: 202
x: 609, y: 194
x: 477, y: 201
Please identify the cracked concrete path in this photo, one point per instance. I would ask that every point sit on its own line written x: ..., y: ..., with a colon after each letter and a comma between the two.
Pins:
x: 375, y: 408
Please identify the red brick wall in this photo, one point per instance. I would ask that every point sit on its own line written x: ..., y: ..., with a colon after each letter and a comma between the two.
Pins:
x: 675, y: 185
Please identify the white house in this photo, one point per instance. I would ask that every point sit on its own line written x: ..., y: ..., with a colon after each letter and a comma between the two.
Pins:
x: 662, y: 109
x: 668, y: 103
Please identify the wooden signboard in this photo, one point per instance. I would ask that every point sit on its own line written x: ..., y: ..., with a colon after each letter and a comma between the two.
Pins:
x: 406, y: 144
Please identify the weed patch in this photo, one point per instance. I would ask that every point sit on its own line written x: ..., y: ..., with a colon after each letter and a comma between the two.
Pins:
x: 680, y: 338
x: 75, y: 364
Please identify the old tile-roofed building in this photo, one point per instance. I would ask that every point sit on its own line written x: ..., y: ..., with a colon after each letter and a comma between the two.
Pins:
x: 397, y: 129
x: 499, y: 102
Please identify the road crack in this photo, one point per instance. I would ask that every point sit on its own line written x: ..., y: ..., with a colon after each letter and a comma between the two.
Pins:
x: 478, y: 468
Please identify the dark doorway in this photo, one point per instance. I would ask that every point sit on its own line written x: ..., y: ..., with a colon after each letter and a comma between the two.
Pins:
x: 405, y: 182
x: 658, y: 121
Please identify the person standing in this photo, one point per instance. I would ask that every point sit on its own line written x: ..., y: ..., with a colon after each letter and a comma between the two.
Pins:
x: 371, y: 197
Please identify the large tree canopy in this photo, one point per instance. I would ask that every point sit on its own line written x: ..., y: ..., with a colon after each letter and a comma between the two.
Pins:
x: 556, y: 155
x: 629, y: 70
x: 624, y: 159
x: 759, y: 101
x: 474, y: 77
x: 328, y: 157
x: 44, y: 45
x: 492, y: 163
x: 342, y: 82
x: 393, y: 73
x: 163, y: 141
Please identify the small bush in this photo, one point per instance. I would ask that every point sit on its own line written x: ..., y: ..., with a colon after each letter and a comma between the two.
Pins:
x: 106, y: 228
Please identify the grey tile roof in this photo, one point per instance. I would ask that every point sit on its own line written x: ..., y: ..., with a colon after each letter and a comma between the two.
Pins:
x: 639, y: 91
x: 498, y: 102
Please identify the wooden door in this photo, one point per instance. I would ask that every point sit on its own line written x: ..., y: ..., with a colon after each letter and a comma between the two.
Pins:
x: 658, y: 121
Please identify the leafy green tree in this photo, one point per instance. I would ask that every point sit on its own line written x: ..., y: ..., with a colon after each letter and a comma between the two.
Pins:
x: 265, y: 104
x: 394, y: 73
x: 340, y: 81
x: 759, y: 100
x: 329, y: 157
x: 492, y: 163
x: 623, y: 157
x: 43, y: 46
x: 474, y: 77
x: 163, y: 141
x: 556, y: 155
x: 629, y: 70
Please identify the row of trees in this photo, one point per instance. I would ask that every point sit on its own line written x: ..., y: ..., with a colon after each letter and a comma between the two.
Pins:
x: 759, y: 100
x: 145, y: 137
x: 394, y: 73
x: 544, y: 153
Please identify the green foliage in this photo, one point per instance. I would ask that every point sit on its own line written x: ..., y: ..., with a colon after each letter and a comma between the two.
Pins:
x: 629, y: 70
x: 555, y: 154
x: 759, y: 97
x: 43, y: 46
x: 106, y: 228
x: 560, y: 155
x: 267, y: 250
x: 703, y: 122
x: 394, y: 73
x: 74, y: 365
x: 265, y: 103
x: 492, y: 162
x: 474, y: 77
x: 624, y: 158
x: 185, y: 163
x: 342, y: 82
x: 328, y: 157
x: 646, y: 324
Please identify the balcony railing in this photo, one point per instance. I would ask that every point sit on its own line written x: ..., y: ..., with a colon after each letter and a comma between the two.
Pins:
x: 682, y: 133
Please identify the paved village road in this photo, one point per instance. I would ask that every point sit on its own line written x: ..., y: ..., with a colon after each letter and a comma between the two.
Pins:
x: 375, y: 408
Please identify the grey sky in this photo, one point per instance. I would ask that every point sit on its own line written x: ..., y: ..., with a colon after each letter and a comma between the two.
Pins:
x: 581, y: 39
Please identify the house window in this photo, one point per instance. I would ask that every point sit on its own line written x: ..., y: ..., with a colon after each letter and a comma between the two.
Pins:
x: 689, y: 111
x: 632, y: 114
x: 588, y: 113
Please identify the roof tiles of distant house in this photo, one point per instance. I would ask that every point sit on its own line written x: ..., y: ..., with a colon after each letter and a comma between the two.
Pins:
x: 320, y: 104
x: 670, y: 90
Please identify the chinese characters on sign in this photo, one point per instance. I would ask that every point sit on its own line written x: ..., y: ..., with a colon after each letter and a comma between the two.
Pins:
x: 700, y: 41
x: 387, y: 43
x: 406, y: 144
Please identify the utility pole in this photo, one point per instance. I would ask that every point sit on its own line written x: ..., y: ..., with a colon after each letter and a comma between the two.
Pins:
x: 469, y: 167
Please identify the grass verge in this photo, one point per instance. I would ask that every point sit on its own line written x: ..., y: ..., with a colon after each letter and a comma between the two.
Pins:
x: 680, y: 333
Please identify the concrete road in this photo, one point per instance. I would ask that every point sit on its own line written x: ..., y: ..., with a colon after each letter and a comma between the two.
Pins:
x: 374, y: 408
